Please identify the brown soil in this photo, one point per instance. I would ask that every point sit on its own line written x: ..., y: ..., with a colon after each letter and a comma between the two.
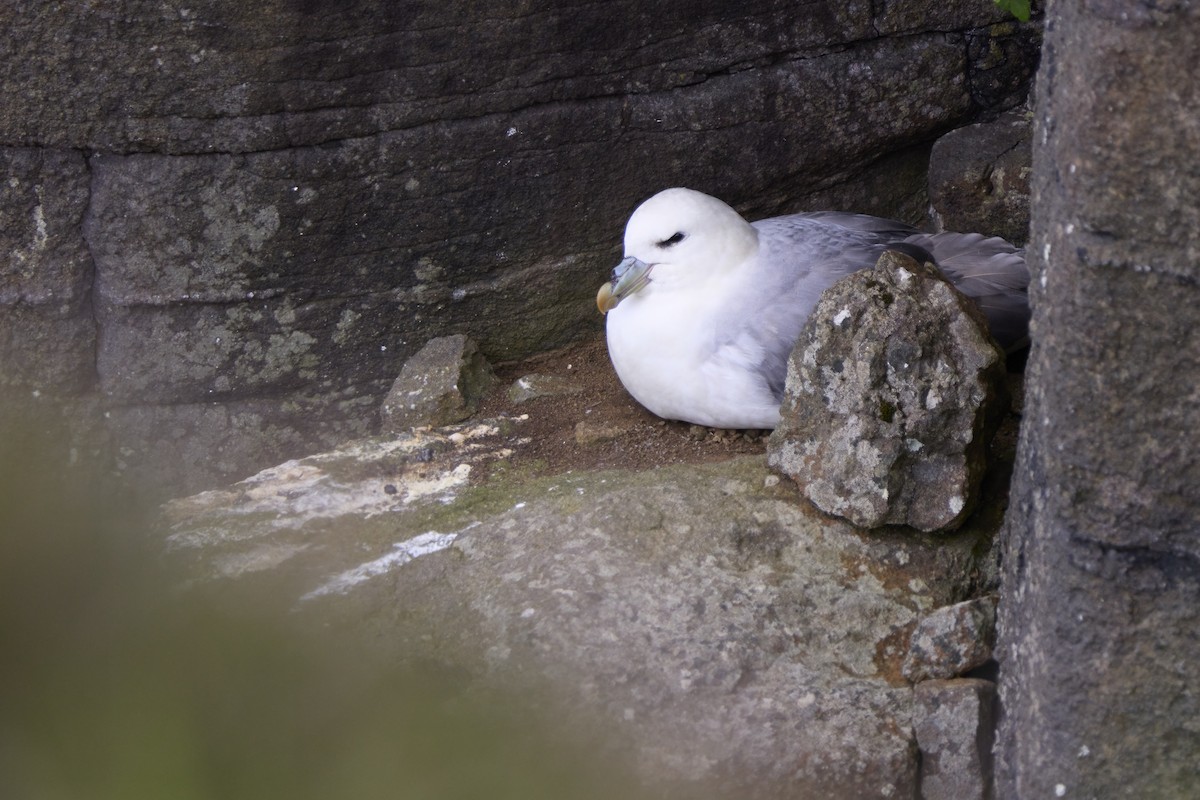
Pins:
x: 600, y: 426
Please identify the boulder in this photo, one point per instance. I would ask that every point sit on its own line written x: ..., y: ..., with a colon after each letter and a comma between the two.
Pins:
x: 893, y: 391
x: 738, y: 643
x: 440, y: 385
x: 979, y: 178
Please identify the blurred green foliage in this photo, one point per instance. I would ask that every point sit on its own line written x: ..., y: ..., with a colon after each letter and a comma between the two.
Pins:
x: 116, y: 684
x: 1018, y: 8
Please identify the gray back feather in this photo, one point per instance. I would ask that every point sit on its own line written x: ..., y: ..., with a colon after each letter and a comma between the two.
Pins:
x: 801, y: 255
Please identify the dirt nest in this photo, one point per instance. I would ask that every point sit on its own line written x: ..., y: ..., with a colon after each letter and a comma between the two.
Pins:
x: 595, y: 424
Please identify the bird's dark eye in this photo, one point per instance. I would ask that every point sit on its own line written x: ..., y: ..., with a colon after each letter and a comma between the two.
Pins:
x: 676, y: 239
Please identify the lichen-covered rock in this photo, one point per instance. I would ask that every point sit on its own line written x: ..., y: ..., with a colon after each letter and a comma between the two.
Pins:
x: 440, y: 385
x: 953, y: 725
x: 893, y: 391
x: 952, y: 640
x: 979, y: 178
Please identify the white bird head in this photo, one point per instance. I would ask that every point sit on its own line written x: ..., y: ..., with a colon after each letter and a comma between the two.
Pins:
x: 679, y: 237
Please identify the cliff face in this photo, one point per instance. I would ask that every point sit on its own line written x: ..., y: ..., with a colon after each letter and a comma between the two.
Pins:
x: 226, y: 225
x: 1102, y: 550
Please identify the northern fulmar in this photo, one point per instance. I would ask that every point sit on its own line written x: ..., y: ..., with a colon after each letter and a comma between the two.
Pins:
x: 705, y: 307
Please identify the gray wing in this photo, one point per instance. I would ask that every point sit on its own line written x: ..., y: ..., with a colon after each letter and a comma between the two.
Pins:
x: 802, y: 255
x: 888, y: 229
x: 799, y: 257
x: 992, y: 272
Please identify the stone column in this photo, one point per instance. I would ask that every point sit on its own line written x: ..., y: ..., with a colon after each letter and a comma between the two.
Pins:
x: 1100, y: 614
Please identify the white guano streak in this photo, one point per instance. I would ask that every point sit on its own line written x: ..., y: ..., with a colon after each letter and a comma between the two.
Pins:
x: 401, y: 554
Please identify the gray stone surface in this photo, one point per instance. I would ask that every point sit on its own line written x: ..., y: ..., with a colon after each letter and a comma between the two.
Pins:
x: 47, y: 334
x: 979, y: 178
x: 953, y: 723
x: 440, y: 385
x: 282, y: 204
x: 740, y: 643
x: 1002, y: 64
x: 894, y: 389
x: 182, y: 444
x: 1099, y: 652
x: 952, y: 640
x: 225, y: 77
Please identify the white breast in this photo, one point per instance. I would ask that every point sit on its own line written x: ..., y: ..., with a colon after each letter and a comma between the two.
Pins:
x: 666, y: 353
